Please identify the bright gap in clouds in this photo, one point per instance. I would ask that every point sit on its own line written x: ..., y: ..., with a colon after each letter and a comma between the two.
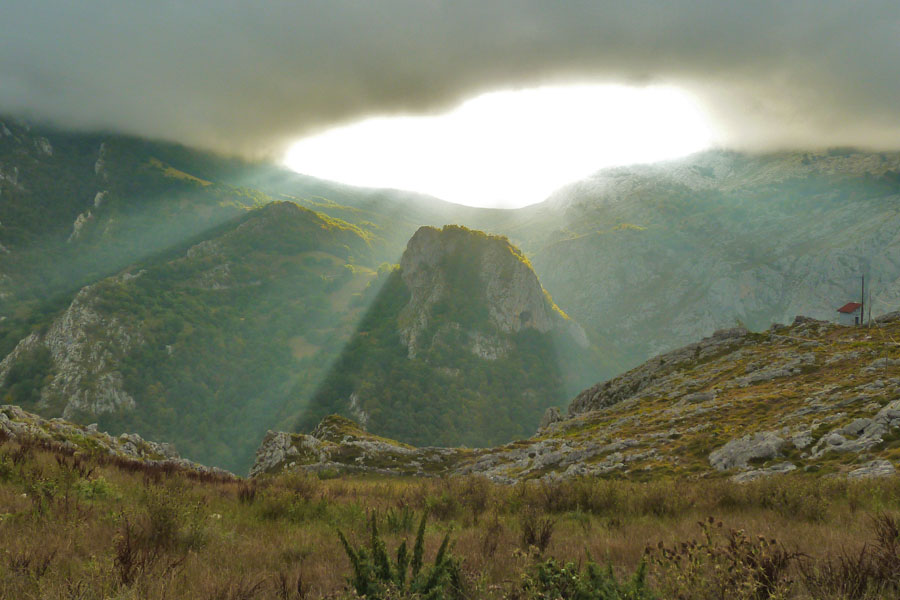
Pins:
x: 512, y: 148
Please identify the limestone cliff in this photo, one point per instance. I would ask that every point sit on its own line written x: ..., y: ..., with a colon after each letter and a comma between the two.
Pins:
x: 657, y: 256
x: 85, y: 346
x: 497, y: 275
x: 462, y: 346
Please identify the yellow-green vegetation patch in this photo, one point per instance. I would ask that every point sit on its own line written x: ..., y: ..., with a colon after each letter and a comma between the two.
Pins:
x: 174, y: 173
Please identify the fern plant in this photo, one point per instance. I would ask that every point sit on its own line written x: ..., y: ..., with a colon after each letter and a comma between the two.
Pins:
x: 377, y: 577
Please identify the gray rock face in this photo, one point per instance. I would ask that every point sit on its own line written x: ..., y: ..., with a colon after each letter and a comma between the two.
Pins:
x: 551, y: 416
x: 277, y: 448
x: 874, y: 468
x: 738, y: 453
x: 78, y: 226
x: 883, y: 363
x: 650, y: 373
x: 690, y: 289
x: 867, y: 432
x: 514, y: 296
x: 855, y: 428
x: 792, y: 367
x: 339, y: 444
x: 802, y: 439
x: 85, y: 378
x: 43, y: 146
x: 776, y: 469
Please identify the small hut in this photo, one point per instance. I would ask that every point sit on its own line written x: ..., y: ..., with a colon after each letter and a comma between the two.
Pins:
x: 850, y: 313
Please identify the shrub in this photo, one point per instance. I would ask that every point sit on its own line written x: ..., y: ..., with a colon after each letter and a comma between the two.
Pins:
x: 6, y: 468
x: 551, y: 580
x: 246, y: 492
x: 376, y: 577
x: 283, y: 505
x: 873, y: 572
x: 94, y: 489
x: 476, y: 494
x: 444, y: 507
x: 491, y: 534
x: 659, y: 500
x: 723, y: 565
x: 33, y: 563
x: 135, y: 555
x: 302, y: 484
x: 274, y: 505
x: 794, y: 500
x: 536, y: 530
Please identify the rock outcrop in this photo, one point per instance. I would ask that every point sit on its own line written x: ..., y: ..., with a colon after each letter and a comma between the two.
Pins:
x: 511, y: 292
x: 738, y: 453
x: 339, y: 444
x: 20, y: 425
x: 653, y: 371
x: 85, y: 346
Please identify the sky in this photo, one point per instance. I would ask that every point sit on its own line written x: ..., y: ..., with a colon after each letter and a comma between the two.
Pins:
x: 254, y: 78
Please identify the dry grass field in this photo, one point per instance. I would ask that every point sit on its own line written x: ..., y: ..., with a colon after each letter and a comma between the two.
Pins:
x: 78, y: 527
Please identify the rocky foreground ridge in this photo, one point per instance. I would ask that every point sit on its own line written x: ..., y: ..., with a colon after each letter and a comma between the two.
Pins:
x: 18, y: 424
x: 811, y: 396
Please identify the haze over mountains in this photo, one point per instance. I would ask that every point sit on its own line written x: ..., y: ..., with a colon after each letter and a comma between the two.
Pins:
x: 202, y: 300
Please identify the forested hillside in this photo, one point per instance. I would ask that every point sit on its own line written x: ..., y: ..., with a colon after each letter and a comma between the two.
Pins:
x: 201, y: 345
x: 462, y: 346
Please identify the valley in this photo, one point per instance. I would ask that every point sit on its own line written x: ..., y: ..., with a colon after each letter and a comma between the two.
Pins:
x: 616, y: 376
x: 207, y: 312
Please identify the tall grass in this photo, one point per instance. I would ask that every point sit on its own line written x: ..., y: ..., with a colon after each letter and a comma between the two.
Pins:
x: 75, y: 526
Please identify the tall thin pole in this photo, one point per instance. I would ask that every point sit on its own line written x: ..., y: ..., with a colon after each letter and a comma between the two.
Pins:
x: 869, y: 322
x: 862, y: 302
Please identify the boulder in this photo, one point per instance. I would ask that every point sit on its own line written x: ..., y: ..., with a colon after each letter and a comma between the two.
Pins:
x: 776, y: 469
x: 738, y: 453
x: 874, y: 468
x: 551, y: 416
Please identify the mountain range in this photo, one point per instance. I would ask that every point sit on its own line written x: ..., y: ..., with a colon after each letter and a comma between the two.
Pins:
x: 202, y: 300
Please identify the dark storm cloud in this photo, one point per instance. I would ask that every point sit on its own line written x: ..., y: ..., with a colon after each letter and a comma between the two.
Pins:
x: 248, y: 77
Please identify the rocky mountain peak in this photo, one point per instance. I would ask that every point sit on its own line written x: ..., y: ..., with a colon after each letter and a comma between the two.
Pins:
x: 462, y: 345
x: 487, y: 274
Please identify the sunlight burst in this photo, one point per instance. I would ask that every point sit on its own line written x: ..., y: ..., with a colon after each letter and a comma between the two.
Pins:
x: 510, y: 148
